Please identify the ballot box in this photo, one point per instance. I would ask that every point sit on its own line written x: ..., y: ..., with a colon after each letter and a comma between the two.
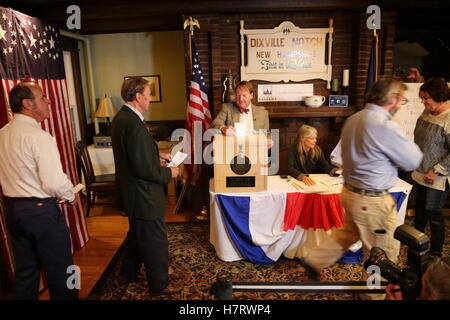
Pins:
x: 240, y: 163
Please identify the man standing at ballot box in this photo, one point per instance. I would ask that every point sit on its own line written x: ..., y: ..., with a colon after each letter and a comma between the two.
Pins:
x: 140, y: 181
x: 373, y: 148
x: 242, y: 111
x: 32, y: 180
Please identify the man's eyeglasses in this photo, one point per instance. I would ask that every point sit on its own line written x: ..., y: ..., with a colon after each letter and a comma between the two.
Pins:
x: 404, y: 101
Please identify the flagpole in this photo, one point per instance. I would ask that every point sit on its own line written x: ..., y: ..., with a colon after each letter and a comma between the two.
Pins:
x: 191, y: 23
x: 376, y: 53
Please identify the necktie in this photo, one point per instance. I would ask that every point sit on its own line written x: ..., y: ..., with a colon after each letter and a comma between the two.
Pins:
x: 243, y: 110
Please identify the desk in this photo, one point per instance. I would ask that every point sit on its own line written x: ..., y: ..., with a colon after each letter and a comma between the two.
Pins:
x: 259, y: 226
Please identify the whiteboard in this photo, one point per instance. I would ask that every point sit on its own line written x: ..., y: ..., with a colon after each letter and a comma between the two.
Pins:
x: 408, y: 114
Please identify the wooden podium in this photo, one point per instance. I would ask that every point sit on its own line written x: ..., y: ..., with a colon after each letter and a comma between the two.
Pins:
x: 240, y: 163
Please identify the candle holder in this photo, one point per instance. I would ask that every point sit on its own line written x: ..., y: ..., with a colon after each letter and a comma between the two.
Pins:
x: 345, y: 90
x: 345, y: 79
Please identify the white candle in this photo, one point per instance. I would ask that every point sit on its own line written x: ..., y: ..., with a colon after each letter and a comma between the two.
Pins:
x: 345, y: 78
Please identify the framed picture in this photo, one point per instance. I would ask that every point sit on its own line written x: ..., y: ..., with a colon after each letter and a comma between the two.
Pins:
x: 155, y: 86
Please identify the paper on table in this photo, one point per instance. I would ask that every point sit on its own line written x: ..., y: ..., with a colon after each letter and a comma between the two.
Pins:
x: 324, y: 183
x: 315, y: 188
x: 328, y: 181
x: 177, y: 159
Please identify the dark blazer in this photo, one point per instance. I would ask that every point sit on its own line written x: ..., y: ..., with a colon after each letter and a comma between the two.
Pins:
x: 140, y: 178
x: 296, y: 170
x: 229, y: 114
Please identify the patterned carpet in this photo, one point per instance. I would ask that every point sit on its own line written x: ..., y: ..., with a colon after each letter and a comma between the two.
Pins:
x: 195, y: 264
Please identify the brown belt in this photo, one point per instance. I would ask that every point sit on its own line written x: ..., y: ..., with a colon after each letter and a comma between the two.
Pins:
x: 368, y: 193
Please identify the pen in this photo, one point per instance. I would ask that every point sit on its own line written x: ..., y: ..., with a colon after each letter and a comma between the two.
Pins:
x: 297, y: 186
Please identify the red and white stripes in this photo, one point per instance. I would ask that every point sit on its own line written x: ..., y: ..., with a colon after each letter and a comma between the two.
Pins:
x: 59, y: 125
x: 198, y: 106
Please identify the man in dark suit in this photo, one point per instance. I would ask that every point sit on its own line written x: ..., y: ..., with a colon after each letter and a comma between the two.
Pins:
x: 140, y: 181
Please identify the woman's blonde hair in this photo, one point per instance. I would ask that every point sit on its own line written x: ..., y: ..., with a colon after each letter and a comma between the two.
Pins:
x: 305, y: 132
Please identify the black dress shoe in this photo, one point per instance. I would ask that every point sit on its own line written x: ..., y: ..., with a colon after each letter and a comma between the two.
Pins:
x: 171, y: 288
x: 312, y: 273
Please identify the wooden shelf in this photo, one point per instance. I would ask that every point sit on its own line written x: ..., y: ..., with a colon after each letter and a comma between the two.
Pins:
x: 305, y: 112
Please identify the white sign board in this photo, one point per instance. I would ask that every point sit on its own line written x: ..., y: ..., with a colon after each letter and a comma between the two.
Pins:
x: 286, y: 53
x: 408, y: 114
x: 284, y: 92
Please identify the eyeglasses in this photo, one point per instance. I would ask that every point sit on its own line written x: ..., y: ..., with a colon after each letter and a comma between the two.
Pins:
x: 404, y: 101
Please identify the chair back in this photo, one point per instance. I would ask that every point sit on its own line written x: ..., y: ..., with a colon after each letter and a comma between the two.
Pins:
x: 282, y: 160
x: 85, y: 162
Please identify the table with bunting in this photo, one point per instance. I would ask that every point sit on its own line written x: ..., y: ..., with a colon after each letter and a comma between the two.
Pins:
x: 285, y: 221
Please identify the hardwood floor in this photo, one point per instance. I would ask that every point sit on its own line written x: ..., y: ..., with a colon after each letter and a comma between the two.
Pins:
x: 107, y: 229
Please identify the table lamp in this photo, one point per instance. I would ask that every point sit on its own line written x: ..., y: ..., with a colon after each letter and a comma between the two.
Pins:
x: 106, y: 110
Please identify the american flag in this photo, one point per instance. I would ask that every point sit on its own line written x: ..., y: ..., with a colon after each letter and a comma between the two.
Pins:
x: 198, y: 113
x: 31, y: 50
x: 372, y: 72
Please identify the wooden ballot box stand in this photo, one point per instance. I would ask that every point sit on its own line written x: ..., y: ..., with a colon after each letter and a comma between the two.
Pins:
x: 240, y: 163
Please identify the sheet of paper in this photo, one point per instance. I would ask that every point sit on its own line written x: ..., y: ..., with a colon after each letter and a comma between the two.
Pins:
x: 324, y: 183
x: 177, y: 159
x: 77, y: 188
x: 328, y: 181
x: 241, y: 129
x: 317, y: 188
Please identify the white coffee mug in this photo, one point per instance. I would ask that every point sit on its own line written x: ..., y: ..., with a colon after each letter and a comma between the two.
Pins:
x: 314, y: 101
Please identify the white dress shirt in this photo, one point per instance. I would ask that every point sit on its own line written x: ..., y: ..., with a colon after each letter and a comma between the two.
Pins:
x: 30, y: 165
x: 247, y: 118
x: 135, y: 111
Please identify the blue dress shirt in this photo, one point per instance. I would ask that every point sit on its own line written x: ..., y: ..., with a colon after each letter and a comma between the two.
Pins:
x: 373, y: 147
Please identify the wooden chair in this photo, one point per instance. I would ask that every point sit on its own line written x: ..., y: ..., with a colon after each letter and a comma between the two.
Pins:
x: 93, y: 183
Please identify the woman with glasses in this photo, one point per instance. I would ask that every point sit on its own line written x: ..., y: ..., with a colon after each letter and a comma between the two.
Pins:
x: 432, y: 135
x: 307, y: 157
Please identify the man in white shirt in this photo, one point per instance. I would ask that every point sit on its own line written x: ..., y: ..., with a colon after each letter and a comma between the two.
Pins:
x: 32, y: 181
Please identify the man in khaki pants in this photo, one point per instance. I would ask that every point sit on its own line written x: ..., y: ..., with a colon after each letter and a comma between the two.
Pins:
x: 373, y: 147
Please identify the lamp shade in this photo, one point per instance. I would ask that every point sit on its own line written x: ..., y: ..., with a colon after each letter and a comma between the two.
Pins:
x: 105, y: 108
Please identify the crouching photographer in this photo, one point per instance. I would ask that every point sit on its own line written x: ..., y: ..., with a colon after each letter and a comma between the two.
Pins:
x: 426, y: 277
x: 435, y: 282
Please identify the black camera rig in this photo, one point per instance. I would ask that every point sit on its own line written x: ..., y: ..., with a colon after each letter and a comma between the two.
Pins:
x: 408, y: 278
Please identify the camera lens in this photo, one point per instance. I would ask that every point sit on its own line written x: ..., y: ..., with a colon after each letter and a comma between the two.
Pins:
x: 388, y: 269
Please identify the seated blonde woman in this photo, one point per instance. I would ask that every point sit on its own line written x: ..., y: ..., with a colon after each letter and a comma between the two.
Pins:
x: 306, y: 157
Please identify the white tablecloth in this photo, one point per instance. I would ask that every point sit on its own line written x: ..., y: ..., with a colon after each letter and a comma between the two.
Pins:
x: 103, y: 159
x: 265, y: 217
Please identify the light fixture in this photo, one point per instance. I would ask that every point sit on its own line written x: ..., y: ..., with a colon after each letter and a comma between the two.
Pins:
x: 106, y: 110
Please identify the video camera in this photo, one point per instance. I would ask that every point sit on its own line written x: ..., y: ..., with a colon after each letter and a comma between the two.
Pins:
x: 408, y: 278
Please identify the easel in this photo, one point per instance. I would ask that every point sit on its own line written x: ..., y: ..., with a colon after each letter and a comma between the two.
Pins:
x: 182, y: 194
